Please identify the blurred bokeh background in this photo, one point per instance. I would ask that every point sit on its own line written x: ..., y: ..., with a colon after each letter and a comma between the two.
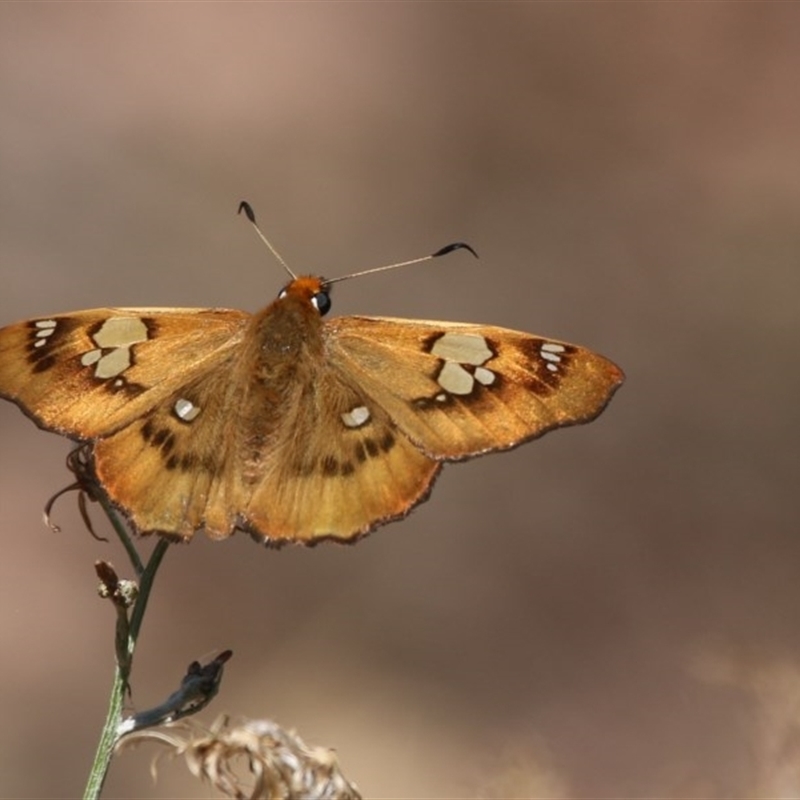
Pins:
x: 613, y: 610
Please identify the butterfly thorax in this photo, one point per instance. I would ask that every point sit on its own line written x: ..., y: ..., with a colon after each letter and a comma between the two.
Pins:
x: 286, y: 336
x: 284, y: 348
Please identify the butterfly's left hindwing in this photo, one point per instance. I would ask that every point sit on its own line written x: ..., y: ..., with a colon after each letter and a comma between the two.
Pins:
x: 459, y: 390
x: 88, y: 373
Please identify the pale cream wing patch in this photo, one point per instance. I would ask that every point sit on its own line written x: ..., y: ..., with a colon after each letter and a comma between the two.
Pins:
x: 88, y: 373
x: 458, y: 390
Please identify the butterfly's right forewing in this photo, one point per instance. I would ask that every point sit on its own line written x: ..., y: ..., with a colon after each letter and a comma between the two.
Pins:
x: 459, y: 390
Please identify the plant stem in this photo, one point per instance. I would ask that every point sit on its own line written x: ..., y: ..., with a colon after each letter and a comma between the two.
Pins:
x: 108, y: 738
x: 146, y: 575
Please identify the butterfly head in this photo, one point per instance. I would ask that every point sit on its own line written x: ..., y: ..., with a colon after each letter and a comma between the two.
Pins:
x: 309, y: 290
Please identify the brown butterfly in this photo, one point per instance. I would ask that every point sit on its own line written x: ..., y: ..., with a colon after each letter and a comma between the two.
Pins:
x: 282, y: 424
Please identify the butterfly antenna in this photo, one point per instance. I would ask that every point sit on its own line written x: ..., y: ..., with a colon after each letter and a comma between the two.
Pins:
x: 250, y: 214
x: 441, y: 252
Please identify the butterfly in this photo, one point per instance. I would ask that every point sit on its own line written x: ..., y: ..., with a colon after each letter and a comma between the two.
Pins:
x: 289, y: 426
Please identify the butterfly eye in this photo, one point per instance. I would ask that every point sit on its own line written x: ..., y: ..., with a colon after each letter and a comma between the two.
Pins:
x: 322, y: 302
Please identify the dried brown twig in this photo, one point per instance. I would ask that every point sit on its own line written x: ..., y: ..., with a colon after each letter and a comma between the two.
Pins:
x: 254, y: 759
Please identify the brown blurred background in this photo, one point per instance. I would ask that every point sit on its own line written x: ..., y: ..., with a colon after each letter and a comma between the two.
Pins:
x: 613, y: 610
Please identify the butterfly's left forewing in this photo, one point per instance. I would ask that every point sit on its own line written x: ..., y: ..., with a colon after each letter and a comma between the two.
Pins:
x: 458, y: 390
x: 151, y: 388
x: 88, y: 373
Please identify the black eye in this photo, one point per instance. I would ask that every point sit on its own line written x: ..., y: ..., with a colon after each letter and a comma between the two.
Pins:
x: 322, y: 302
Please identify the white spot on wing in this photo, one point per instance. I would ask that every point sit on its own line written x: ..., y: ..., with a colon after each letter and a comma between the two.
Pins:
x: 549, y: 351
x: 113, y: 363
x: 92, y: 357
x: 484, y: 376
x: 455, y: 379
x: 186, y: 409
x: 44, y: 328
x: 465, y: 348
x: 356, y: 417
x: 121, y: 332
x: 117, y: 334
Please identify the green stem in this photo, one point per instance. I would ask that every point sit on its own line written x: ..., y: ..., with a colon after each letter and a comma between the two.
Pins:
x: 146, y: 575
x: 108, y: 738
x: 122, y: 532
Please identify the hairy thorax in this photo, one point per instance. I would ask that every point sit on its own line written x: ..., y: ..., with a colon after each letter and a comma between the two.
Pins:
x: 284, y: 351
